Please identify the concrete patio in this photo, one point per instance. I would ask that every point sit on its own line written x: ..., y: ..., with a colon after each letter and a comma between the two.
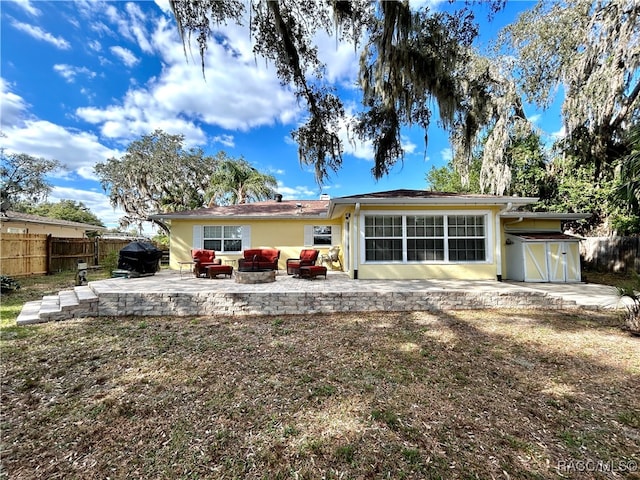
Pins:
x: 174, y: 294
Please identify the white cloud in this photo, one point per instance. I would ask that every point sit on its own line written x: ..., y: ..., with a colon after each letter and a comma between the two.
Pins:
x: 78, y: 151
x: 12, y: 106
x: 100, y: 28
x: 39, y: 34
x: 446, y: 154
x: 407, y: 145
x: 418, y: 4
x: 341, y: 59
x: 125, y: 55
x: 136, y: 24
x: 352, y: 145
x: 96, y: 202
x: 70, y: 72
x: 226, y: 140
x: 164, y: 6
x: 300, y: 191
x: 235, y: 93
x: 535, y: 118
x: 559, y: 134
x: 95, y: 45
x: 28, y: 7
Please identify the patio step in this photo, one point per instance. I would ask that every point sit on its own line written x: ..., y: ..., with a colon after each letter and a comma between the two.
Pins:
x: 81, y: 301
x: 30, y: 313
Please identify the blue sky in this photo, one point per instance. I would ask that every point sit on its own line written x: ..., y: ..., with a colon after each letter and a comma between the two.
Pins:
x: 80, y: 81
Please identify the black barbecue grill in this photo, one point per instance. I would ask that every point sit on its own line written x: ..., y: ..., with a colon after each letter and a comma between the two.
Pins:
x: 140, y: 258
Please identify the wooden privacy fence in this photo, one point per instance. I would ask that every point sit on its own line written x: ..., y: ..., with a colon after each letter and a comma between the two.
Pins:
x: 611, y: 254
x: 28, y: 254
x: 22, y: 254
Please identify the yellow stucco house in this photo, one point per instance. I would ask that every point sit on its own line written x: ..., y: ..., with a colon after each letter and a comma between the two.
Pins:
x: 399, y: 234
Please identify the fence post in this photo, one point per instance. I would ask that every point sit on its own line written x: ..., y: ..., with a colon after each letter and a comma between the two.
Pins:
x: 49, y: 254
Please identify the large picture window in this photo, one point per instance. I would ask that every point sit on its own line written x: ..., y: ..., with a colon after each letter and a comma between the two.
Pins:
x: 223, y: 238
x: 425, y: 238
x: 383, y: 238
x: 466, y: 238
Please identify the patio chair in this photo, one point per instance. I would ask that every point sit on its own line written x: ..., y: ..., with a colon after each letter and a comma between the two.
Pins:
x: 332, y: 256
x: 202, y: 258
x: 307, y: 258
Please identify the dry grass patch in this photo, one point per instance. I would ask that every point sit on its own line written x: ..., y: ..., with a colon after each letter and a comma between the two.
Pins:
x: 481, y: 394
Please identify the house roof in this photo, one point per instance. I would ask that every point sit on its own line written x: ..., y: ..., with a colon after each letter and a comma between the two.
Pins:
x: 9, y: 216
x: 325, y: 208
x: 429, y: 197
x: 426, y: 197
x: 266, y: 209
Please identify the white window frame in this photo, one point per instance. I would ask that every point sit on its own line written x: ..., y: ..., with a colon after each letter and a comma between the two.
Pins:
x: 488, y: 235
x: 199, y: 238
x: 310, y: 236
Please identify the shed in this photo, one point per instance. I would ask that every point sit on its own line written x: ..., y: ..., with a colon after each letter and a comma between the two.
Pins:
x: 537, y: 249
x: 543, y: 257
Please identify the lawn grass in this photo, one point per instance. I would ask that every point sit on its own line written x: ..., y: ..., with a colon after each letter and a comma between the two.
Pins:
x: 462, y: 395
x: 479, y: 394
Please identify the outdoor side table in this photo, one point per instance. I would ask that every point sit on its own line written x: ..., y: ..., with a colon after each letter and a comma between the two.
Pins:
x: 185, y: 264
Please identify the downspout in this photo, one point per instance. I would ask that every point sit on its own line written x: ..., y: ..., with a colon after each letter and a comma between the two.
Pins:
x: 499, y: 241
x: 356, y: 241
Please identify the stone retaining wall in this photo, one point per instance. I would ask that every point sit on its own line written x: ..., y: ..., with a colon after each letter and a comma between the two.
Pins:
x: 188, y: 304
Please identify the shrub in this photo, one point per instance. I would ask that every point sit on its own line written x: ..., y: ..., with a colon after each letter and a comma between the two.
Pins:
x: 632, y: 291
x: 8, y: 284
x: 110, y: 261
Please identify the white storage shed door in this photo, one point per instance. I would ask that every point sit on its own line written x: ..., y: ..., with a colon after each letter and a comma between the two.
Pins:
x: 551, y: 262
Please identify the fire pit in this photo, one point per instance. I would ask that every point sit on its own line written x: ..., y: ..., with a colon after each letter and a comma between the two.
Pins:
x: 249, y: 275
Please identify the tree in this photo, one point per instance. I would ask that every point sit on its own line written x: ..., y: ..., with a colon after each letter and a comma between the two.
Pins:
x: 23, y: 178
x: 448, y: 179
x: 156, y: 175
x: 590, y: 49
x: 523, y: 172
x: 69, y: 210
x: 236, y: 181
x: 410, y: 61
x: 628, y: 189
x: 528, y: 164
x: 493, y: 121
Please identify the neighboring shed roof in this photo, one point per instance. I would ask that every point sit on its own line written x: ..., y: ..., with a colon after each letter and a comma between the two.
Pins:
x: 531, y: 236
x: 546, y: 215
x: 10, y: 216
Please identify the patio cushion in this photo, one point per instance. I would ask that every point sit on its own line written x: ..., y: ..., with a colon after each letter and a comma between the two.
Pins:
x: 307, y: 257
x: 312, y: 271
x: 215, y: 270
x: 203, y: 258
x: 261, y: 258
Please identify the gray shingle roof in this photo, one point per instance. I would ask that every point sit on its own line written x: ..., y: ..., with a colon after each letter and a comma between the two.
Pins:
x: 10, y: 216
x: 267, y: 209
